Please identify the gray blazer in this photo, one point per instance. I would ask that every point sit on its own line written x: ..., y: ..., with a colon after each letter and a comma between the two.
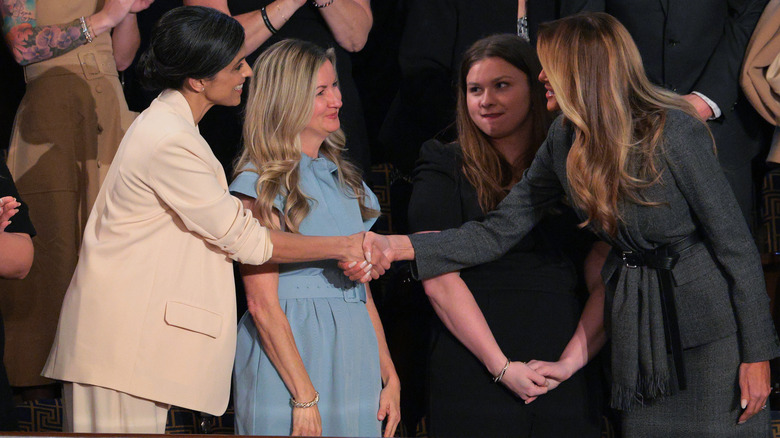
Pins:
x: 719, y: 284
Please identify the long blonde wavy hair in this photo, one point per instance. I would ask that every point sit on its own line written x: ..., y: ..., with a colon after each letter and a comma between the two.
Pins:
x: 484, y: 166
x: 280, y: 105
x: 618, y: 116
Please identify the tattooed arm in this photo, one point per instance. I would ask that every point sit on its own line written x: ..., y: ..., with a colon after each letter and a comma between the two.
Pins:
x: 32, y: 43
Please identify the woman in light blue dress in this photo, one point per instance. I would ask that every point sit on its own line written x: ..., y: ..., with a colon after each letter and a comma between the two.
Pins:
x: 311, y: 357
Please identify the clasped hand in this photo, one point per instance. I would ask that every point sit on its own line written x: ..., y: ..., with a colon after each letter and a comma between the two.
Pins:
x: 530, y: 380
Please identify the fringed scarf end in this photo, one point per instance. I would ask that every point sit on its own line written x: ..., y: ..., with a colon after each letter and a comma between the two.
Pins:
x: 625, y: 398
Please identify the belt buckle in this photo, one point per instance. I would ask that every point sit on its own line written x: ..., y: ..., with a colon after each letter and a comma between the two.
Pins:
x: 632, y: 260
x: 89, y: 65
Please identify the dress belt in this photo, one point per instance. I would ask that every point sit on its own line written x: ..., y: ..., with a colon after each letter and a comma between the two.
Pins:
x: 663, y: 259
x: 308, y: 287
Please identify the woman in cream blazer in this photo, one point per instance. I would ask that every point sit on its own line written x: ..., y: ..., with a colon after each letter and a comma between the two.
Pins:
x: 150, y: 312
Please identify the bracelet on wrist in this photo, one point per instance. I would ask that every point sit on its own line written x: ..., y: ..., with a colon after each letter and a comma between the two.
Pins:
x: 321, y: 5
x: 296, y: 404
x: 267, y: 21
x: 85, y: 29
x: 497, y: 378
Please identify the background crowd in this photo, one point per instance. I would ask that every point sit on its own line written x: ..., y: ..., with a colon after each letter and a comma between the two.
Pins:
x: 405, y: 75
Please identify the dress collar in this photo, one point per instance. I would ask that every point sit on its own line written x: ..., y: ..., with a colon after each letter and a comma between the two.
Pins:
x: 319, y: 163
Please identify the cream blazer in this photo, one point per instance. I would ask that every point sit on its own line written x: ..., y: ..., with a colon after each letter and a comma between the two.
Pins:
x: 150, y: 310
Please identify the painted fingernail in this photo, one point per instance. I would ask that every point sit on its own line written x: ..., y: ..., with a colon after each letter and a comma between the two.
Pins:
x: 368, y: 268
x: 744, y: 404
x: 351, y: 264
x: 368, y: 255
x: 363, y: 265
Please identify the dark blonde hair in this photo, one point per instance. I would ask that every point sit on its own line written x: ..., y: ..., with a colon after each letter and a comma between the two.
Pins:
x: 618, y: 116
x: 280, y: 105
x: 483, y: 165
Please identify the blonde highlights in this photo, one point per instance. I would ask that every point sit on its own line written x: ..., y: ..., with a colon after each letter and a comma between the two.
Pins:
x: 618, y: 116
x: 279, y: 107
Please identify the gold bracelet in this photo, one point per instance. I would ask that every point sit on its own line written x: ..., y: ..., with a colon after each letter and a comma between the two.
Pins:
x: 500, y: 375
x: 296, y: 404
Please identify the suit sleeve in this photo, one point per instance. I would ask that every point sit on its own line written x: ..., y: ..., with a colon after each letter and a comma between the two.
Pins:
x: 435, y: 204
x: 475, y: 243
x: 187, y: 184
x: 720, y: 79
x: 698, y: 175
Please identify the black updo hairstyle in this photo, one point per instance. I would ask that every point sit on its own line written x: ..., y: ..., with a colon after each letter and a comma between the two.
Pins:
x: 189, y: 42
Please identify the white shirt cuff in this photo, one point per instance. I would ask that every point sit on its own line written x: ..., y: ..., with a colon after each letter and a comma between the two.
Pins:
x: 713, y: 106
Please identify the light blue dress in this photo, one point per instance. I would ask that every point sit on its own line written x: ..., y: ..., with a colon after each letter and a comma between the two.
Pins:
x: 329, y: 321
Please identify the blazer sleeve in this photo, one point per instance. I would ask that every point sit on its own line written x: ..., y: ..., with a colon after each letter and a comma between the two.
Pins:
x: 475, y: 242
x: 692, y: 162
x: 435, y: 203
x: 720, y: 79
x: 188, y: 185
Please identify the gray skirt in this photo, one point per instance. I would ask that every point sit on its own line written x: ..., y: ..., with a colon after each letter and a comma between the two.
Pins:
x: 709, y: 407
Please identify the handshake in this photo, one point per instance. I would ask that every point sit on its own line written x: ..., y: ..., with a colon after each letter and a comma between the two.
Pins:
x: 368, y: 256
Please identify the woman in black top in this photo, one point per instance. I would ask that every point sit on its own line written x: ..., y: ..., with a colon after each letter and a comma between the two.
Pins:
x: 16, y: 255
x: 525, y: 305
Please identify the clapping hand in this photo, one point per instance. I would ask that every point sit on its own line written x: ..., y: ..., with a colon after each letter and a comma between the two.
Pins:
x: 9, y: 206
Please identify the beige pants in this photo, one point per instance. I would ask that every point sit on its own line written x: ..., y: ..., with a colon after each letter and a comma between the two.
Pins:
x: 94, y: 409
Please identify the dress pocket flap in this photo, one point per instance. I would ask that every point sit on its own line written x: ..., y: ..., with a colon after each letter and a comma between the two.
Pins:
x: 193, y: 318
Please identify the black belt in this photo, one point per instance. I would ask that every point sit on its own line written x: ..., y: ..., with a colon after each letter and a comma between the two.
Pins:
x: 663, y: 259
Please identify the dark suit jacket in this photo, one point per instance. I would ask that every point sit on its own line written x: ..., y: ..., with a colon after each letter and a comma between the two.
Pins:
x: 698, y: 45
x: 720, y: 283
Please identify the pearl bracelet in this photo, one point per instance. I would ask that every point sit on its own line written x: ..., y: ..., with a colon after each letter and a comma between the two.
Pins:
x: 296, y: 404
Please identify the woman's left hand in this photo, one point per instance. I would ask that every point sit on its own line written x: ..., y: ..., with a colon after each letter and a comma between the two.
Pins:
x: 755, y: 387
x: 554, y: 372
x: 9, y: 206
x: 390, y: 406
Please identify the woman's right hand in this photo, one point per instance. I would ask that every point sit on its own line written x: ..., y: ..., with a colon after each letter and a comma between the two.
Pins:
x: 555, y: 372
x: 524, y: 382
x: 363, y: 263
x: 9, y: 206
x: 306, y: 422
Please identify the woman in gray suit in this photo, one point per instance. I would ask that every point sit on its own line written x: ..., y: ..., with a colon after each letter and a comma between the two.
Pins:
x: 686, y: 306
